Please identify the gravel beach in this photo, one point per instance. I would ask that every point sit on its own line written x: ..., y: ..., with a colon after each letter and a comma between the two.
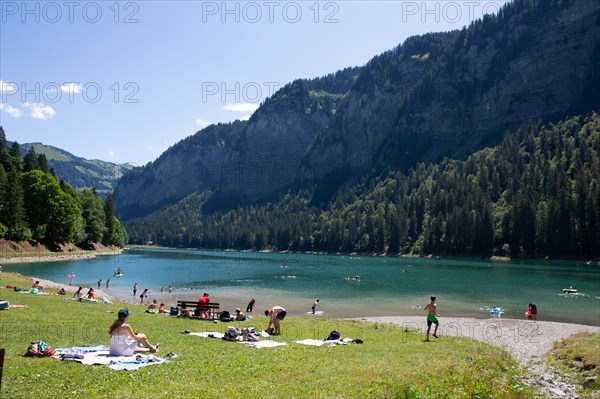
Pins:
x: 29, y: 258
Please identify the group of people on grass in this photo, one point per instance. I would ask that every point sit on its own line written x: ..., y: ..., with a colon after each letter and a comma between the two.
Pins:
x: 202, y: 310
x: 79, y: 295
x: 125, y: 342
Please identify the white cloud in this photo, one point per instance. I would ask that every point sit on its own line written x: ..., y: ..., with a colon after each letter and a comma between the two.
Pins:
x: 39, y: 111
x: 241, y: 107
x: 71, y: 88
x: 7, y: 87
x: 12, y: 111
x: 202, y: 123
x: 67, y: 88
x: 245, y: 117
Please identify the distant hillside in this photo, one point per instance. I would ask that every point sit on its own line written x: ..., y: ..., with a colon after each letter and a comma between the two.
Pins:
x: 437, y: 95
x: 79, y: 172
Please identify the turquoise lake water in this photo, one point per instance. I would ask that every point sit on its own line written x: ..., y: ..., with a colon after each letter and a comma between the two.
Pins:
x: 388, y: 285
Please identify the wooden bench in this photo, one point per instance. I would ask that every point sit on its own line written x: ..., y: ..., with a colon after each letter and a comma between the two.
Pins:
x: 210, y: 308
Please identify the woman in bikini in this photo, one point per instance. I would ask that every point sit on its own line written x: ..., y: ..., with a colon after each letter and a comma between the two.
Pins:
x: 123, y: 341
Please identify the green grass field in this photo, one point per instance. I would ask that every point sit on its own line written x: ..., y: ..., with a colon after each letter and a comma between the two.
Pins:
x: 392, y: 363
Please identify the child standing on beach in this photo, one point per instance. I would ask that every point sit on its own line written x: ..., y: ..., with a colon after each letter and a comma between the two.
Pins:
x: 314, y: 306
x: 432, y: 316
x: 71, y: 278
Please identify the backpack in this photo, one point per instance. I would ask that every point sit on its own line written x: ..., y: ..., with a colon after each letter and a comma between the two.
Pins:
x: 225, y: 316
x: 174, y: 311
x: 231, y: 334
x: 40, y: 349
x: 333, y: 336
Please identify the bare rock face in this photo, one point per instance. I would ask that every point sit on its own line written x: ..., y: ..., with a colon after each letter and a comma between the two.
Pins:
x: 269, y: 152
x: 193, y: 164
x: 492, y: 77
x: 437, y: 95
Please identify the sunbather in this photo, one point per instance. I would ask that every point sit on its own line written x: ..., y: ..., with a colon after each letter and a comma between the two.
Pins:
x: 37, y: 286
x: 239, y: 315
x: 123, y: 341
x: 79, y: 293
x: 185, y: 312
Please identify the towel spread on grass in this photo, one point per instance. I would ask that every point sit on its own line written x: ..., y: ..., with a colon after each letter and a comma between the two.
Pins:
x: 311, y: 342
x: 257, y: 344
x: 330, y: 343
x: 208, y: 334
x: 263, y: 344
x: 100, y: 355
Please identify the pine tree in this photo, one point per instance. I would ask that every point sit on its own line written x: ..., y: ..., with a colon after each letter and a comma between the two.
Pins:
x: 109, y: 237
x: 30, y: 161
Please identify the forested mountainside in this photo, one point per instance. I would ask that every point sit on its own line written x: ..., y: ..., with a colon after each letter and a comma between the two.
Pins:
x: 79, y: 172
x: 534, y: 194
x: 437, y: 95
x: 35, y: 205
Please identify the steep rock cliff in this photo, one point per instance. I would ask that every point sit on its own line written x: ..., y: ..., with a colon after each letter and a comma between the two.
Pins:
x: 436, y: 95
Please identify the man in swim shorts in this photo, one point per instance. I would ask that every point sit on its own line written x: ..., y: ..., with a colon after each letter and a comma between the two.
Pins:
x: 432, y: 316
x: 275, y: 314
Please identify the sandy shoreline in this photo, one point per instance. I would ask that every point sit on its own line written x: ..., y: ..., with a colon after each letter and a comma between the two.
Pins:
x: 526, y: 340
x: 52, y: 286
x: 38, y: 258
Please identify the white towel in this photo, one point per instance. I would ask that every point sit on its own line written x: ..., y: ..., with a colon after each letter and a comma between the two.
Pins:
x: 311, y: 342
x: 208, y: 334
x: 263, y: 344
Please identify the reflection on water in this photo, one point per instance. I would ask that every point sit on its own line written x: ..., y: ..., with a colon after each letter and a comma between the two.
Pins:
x: 387, y: 285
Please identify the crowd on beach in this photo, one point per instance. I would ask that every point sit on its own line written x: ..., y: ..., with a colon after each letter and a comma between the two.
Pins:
x: 124, y: 342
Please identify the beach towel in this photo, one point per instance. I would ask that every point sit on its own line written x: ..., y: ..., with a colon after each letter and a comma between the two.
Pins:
x: 329, y: 343
x: 100, y: 355
x: 311, y: 342
x: 208, y: 334
x: 34, y: 291
x: 263, y: 344
x: 137, y: 362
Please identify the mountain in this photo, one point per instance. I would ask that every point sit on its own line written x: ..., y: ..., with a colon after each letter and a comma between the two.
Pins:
x: 437, y: 95
x: 481, y: 206
x: 79, y: 172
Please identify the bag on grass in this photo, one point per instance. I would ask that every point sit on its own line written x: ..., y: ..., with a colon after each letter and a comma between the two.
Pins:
x: 225, y: 316
x: 174, y: 311
x: 333, y: 336
x: 231, y: 334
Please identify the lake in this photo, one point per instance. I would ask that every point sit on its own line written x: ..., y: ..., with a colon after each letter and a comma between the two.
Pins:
x: 387, y: 286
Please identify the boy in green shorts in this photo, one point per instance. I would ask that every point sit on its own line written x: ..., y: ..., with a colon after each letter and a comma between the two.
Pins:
x: 432, y: 316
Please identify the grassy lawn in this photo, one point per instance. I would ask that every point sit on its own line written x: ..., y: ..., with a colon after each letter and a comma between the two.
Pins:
x: 579, y: 356
x: 391, y: 363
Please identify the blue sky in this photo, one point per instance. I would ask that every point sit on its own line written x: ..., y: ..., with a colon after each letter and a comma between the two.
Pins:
x: 123, y: 81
